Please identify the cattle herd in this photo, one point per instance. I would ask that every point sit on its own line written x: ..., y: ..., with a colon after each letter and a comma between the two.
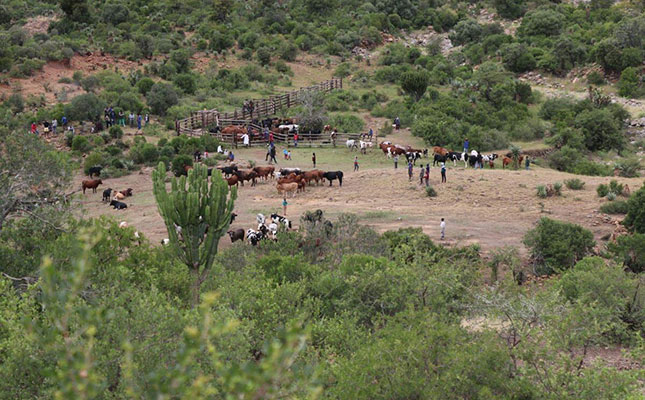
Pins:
x: 264, y: 230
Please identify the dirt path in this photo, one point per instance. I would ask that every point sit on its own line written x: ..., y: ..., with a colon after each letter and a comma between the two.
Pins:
x: 490, y: 207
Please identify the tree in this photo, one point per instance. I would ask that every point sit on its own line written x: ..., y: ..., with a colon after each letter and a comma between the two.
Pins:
x: 186, y: 82
x: 33, y: 176
x: 629, y: 82
x: 312, y: 116
x: 556, y: 245
x: 635, y: 218
x: 161, y: 97
x: 86, y: 107
x: 600, y: 130
x: 510, y: 9
x: 196, y: 217
x: 76, y: 10
x: 517, y: 58
x: 415, y: 83
x: 466, y: 31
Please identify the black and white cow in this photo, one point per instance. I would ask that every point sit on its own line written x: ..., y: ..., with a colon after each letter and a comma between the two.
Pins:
x: 455, y: 156
x: 280, y: 220
x: 412, y: 156
x: 254, y: 237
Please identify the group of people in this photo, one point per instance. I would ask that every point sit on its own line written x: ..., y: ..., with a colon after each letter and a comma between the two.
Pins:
x: 424, y: 173
x: 110, y: 118
x: 50, y: 127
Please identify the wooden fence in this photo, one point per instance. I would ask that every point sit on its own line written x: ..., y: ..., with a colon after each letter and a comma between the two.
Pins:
x: 304, y: 140
x: 200, y: 121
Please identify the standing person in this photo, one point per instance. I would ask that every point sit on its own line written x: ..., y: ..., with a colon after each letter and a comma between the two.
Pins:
x: 370, y: 134
x: 466, y: 145
x: 313, y: 159
x: 273, y: 155
x: 131, y: 117
x: 443, y: 172
x: 54, y: 125
x: 147, y: 119
x: 355, y: 163
x: 442, y: 226
x: 46, y: 128
x: 121, y: 118
x: 245, y: 140
x: 284, y: 205
x: 107, y: 121
x: 266, y: 133
x: 527, y: 163
x: 266, y: 157
x: 139, y: 119
x: 295, y: 139
x: 409, y: 171
x: 271, y: 137
x: 397, y: 123
x: 333, y: 137
x: 396, y: 161
x: 64, y: 121
x: 34, y: 128
x: 422, y: 174
x: 289, y: 155
x: 427, y: 175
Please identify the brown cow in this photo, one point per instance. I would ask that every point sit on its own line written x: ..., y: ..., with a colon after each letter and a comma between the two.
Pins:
x: 506, y: 161
x: 127, y: 192
x: 91, y: 184
x: 286, y: 188
x: 233, y: 180
x: 440, y: 150
x: 264, y: 172
x: 249, y: 175
x: 313, y: 175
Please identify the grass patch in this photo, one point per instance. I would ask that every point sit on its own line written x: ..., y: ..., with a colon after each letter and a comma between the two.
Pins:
x: 378, y: 214
x: 574, y: 184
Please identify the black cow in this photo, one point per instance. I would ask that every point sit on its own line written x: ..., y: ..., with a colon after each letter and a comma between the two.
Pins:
x: 331, y: 175
x: 107, y: 193
x: 236, y: 235
x: 227, y: 171
x: 438, y: 159
x: 95, y: 171
x: 118, y: 205
x: 233, y: 215
x: 478, y: 159
x: 287, y: 171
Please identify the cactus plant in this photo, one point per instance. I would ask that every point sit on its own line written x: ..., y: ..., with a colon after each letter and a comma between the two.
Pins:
x: 196, y: 217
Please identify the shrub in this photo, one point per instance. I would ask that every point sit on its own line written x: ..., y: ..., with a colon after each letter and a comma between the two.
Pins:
x: 90, y: 83
x: 81, y: 143
x: 602, y: 190
x: 86, y: 107
x: 600, y: 129
x: 630, y: 251
x: 556, y: 245
x: 611, y: 196
x: 415, y: 84
x: 129, y: 101
x: 431, y: 192
x: 263, y: 55
x: 186, y: 82
x: 179, y: 162
x: 161, y: 97
x: 635, y: 218
x: 557, y: 187
x: 144, y: 85
x: 614, y: 207
x: 615, y: 187
x: 541, y: 191
x: 94, y: 159
x: 628, y: 168
x: 116, y: 132
x: 595, y: 78
x: 347, y: 123
x: 629, y: 83
x: 150, y: 153
x: 574, y: 184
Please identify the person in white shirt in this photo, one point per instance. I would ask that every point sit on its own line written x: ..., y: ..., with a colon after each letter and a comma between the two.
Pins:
x: 443, y: 228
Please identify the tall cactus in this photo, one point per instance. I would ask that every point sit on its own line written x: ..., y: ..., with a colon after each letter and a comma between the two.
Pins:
x: 196, y: 216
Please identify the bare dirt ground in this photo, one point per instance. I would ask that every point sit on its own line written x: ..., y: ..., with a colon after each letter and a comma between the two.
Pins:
x: 492, y: 208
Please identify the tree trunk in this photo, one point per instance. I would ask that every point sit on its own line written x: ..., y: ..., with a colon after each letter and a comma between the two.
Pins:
x: 195, y: 286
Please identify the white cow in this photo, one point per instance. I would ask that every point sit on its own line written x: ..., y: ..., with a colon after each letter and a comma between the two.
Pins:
x: 351, y: 143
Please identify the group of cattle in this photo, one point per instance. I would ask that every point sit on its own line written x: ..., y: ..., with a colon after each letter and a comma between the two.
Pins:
x: 264, y: 231
x: 474, y: 158
x: 410, y: 154
x: 277, y: 126
x: 289, y: 180
x: 354, y: 144
x: 114, y: 201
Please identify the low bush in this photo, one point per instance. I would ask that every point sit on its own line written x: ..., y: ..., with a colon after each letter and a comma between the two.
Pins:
x: 541, y: 192
x: 555, y: 245
x: 602, y: 190
x: 630, y: 250
x: 81, y: 143
x: 615, y: 187
x: 180, y: 162
x: 614, y: 207
x: 574, y: 184
x: 628, y: 168
x: 635, y: 218
x: 116, y: 132
x: 557, y: 187
x: 431, y: 192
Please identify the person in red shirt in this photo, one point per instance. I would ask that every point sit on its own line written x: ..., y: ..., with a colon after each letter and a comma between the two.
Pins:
x: 34, y: 128
x: 295, y: 140
x: 270, y: 137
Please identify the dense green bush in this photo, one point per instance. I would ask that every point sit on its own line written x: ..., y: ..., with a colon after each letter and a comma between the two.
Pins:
x: 602, y: 190
x: 415, y: 84
x: 347, y: 123
x: 116, y: 132
x: 161, y: 97
x: 574, y: 184
x: 635, y: 218
x: 614, y: 207
x: 85, y: 107
x: 630, y: 251
x: 179, y: 162
x: 186, y: 82
x: 144, y: 85
x: 81, y: 143
x: 555, y: 246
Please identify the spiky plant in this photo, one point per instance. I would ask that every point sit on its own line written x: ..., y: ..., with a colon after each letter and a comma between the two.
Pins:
x: 196, y: 216
x: 515, y: 155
